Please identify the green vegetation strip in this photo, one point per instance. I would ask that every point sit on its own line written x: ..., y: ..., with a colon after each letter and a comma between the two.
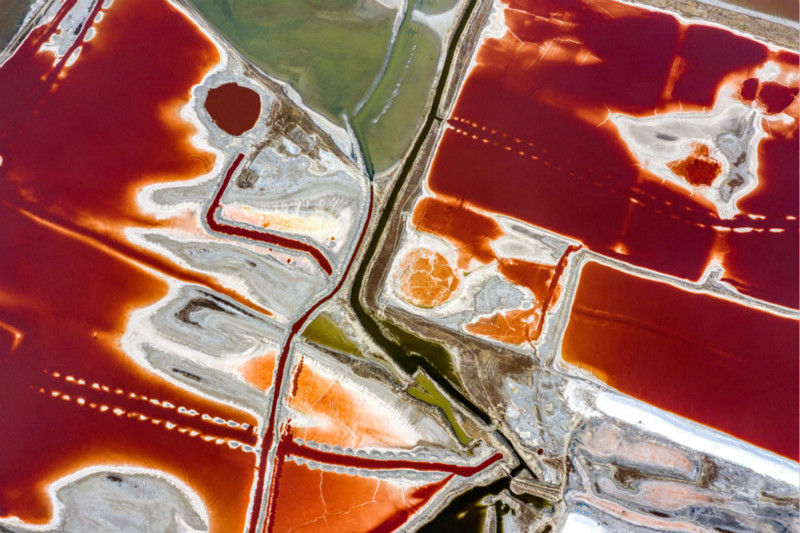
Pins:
x: 325, y: 332
x: 426, y: 391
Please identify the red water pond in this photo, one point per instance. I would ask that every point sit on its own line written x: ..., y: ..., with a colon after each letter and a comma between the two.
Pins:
x: 235, y: 109
x: 727, y: 366
x: 77, y: 142
x: 529, y: 137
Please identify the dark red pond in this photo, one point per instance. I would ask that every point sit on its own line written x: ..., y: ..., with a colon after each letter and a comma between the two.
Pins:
x: 727, y: 366
x: 529, y: 137
x: 235, y: 109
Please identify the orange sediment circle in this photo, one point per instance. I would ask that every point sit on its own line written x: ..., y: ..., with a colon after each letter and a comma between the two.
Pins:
x: 426, y: 279
x: 233, y: 108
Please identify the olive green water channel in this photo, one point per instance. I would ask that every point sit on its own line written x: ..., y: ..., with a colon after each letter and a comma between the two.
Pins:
x: 340, y: 57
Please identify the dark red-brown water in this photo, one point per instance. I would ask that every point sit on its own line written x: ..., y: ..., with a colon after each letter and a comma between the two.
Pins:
x: 77, y: 142
x: 235, y: 109
x: 529, y: 137
x: 727, y: 366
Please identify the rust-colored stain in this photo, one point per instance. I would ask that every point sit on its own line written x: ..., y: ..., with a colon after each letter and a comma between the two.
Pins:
x: 469, y: 231
x: 776, y: 97
x: 235, y: 109
x: 426, y: 279
x: 259, y: 236
x: 516, y: 326
x: 259, y: 371
x: 535, y: 276
x: 341, y: 414
x: 344, y: 501
x: 748, y: 89
x: 698, y: 168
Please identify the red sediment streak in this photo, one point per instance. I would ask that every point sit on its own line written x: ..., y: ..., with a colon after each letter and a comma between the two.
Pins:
x: 235, y: 109
x: 519, y: 326
x: 285, y: 483
x: 698, y: 168
x: 471, y: 232
x: 127, y: 252
x: 259, y: 236
x: 296, y: 377
x: 776, y: 97
x: 530, y: 138
x: 552, y: 293
x: 725, y: 365
x: 290, y: 447
x: 269, y: 433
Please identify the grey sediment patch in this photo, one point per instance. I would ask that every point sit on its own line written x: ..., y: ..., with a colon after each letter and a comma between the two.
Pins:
x: 497, y: 294
x: 274, y: 286
x: 121, y: 501
x: 213, y: 325
x: 209, y: 381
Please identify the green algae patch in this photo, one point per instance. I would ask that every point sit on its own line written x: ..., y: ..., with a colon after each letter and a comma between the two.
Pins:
x: 325, y: 332
x: 330, y: 51
x: 14, y: 12
x: 438, y: 359
x: 434, y: 7
x: 425, y: 390
x: 341, y: 58
x: 390, y: 118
